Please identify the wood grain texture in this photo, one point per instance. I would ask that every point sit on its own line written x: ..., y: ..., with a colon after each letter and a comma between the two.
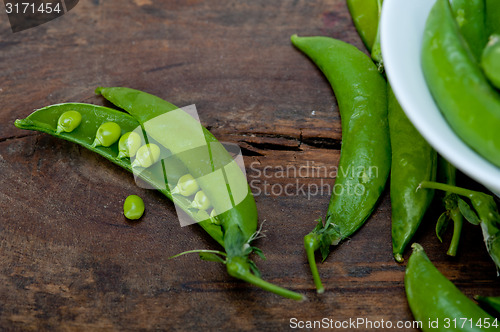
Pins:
x: 69, y: 261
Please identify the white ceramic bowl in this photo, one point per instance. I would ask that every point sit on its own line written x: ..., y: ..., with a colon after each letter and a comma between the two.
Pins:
x: 402, y: 26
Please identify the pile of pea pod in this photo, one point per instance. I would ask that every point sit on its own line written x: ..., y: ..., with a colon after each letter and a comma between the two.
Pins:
x: 376, y: 132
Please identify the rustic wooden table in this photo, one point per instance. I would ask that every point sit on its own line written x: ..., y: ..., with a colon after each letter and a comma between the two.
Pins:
x: 68, y: 258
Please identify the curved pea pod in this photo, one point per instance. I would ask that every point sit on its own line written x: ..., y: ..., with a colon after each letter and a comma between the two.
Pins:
x: 45, y: 120
x: 413, y: 161
x: 215, y: 171
x: 466, y: 99
x: 471, y: 18
x: 365, y: 157
x: 365, y: 15
x: 431, y: 296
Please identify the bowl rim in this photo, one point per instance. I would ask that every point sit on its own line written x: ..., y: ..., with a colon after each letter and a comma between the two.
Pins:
x: 401, y: 29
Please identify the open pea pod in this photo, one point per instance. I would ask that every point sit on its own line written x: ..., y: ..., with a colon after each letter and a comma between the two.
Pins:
x: 92, y: 116
x: 233, y: 235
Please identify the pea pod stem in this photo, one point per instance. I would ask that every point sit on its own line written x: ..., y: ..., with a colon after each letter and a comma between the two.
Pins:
x: 457, y: 219
x: 239, y: 268
x: 447, y: 172
x: 431, y: 296
x: 486, y: 214
x: 311, y: 244
x: 447, y: 188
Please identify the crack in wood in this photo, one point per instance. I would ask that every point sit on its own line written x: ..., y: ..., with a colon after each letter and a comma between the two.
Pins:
x: 9, y: 138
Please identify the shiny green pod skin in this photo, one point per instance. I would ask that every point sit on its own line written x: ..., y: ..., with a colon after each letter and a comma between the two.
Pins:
x: 413, y: 161
x: 365, y: 15
x: 493, y: 16
x: 365, y: 157
x: 238, y: 224
x: 432, y: 296
x: 467, y: 100
x: 470, y: 16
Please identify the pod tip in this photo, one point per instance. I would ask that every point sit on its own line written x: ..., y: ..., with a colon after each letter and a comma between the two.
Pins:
x: 417, y: 247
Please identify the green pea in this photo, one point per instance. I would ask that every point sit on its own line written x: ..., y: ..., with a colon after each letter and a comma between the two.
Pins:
x: 186, y: 186
x: 201, y: 201
x: 68, y: 121
x: 128, y: 144
x: 490, y: 60
x: 147, y: 155
x: 133, y: 208
x: 107, y: 134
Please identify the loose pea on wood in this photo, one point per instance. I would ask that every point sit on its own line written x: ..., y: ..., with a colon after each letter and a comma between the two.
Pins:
x: 133, y: 207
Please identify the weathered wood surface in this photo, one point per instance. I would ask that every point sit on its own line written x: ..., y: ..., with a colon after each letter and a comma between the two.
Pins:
x: 69, y: 260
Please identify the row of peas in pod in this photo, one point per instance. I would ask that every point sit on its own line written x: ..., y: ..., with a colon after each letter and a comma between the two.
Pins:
x: 131, y: 145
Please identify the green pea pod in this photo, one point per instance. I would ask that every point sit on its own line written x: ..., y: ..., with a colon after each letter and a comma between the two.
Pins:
x: 466, y: 99
x: 471, y: 18
x: 432, y: 297
x: 365, y: 15
x: 45, y: 120
x: 365, y: 156
x: 218, y: 175
x: 489, y: 302
x: 413, y: 161
x: 493, y: 16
